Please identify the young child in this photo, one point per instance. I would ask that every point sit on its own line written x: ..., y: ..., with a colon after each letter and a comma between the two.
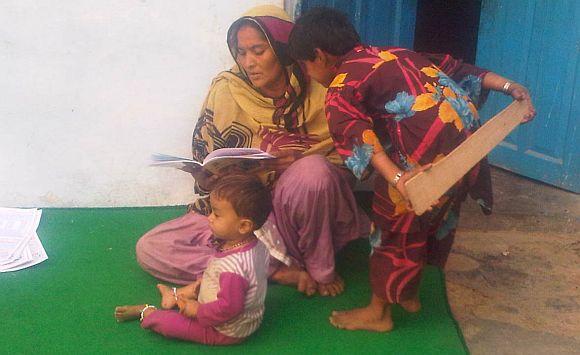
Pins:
x: 398, y: 111
x: 227, y: 304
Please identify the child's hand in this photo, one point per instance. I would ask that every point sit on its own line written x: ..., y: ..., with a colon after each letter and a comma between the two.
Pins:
x: 187, y: 307
x: 519, y: 93
x: 407, y: 175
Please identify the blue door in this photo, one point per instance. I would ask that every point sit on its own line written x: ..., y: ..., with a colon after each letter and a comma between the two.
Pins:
x: 379, y: 22
x: 537, y: 43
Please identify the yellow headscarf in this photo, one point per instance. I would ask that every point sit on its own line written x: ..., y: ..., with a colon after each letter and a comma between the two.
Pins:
x: 235, y: 114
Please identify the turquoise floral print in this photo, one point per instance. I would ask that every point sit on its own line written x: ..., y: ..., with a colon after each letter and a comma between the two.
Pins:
x: 375, y: 238
x: 471, y: 84
x: 359, y: 160
x: 460, y: 106
x: 447, y: 81
x: 401, y: 106
x: 448, y: 225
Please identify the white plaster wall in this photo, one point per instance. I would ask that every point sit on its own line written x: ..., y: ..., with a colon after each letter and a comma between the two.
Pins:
x: 89, y: 89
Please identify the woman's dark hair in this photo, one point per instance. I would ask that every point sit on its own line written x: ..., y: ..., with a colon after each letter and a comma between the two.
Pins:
x: 247, y: 195
x: 325, y: 28
x: 288, y: 112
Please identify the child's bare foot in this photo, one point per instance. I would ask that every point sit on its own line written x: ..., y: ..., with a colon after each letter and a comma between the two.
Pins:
x: 125, y: 313
x: 333, y: 288
x: 168, y: 299
x: 286, y: 275
x: 190, y: 291
x: 366, y: 318
x: 413, y: 305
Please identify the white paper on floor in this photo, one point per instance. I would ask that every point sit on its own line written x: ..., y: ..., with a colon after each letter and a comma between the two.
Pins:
x: 20, y: 246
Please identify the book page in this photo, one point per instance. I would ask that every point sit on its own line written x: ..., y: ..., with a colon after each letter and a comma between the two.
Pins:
x: 232, y: 160
x: 251, y: 153
x: 220, y: 161
x: 32, y: 254
x: 170, y: 161
x: 232, y: 165
x: 20, y: 246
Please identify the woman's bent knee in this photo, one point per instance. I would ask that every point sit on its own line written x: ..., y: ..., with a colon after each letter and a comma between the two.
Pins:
x: 312, y: 172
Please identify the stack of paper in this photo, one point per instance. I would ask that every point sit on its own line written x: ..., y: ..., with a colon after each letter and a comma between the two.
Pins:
x: 20, y: 246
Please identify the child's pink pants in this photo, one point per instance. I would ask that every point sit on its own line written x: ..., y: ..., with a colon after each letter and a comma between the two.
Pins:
x: 174, y: 325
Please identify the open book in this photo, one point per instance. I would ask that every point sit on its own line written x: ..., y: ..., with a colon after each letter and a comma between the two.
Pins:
x: 245, y: 159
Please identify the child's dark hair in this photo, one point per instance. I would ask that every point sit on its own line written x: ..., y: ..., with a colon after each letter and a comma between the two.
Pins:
x: 247, y: 195
x: 324, y: 28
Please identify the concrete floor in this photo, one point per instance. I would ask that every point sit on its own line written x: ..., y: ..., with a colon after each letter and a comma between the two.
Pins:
x: 513, y: 278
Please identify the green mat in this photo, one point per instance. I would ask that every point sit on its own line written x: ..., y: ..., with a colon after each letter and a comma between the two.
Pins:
x: 65, y: 304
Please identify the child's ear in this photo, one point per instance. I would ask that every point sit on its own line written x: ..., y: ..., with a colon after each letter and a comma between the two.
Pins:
x: 326, y: 59
x: 246, y: 226
x: 319, y: 55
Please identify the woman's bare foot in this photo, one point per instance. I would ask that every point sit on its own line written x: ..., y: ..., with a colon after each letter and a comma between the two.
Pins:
x: 294, y: 276
x: 333, y: 288
x: 375, y: 317
x: 168, y: 297
x: 125, y: 313
x: 306, y: 284
x: 413, y: 305
x: 286, y: 275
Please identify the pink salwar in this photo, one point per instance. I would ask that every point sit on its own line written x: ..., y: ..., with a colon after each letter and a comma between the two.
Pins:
x: 317, y: 215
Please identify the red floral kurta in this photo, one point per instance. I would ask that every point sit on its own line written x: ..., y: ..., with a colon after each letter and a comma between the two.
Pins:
x: 416, y: 107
